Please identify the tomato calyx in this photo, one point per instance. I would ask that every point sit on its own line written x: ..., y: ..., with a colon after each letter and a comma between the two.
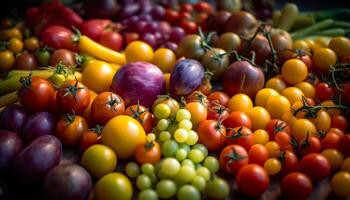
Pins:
x: 69, y: 118
x: 113, y: 102
x: 321, y: 134
x: 282, y: 156
x: 136, y: 114
x: 294, y: 143
x: 279, y: 126
x: 26, y: 81
x: 234, y: 156
x: 205, y: 40
x: 199, y: 96
x: 305, y: 143
x: 236, y: 134
x: 72, y: 89
x: 76, y: 36
x: 97, y: 129
x: 3, y: 45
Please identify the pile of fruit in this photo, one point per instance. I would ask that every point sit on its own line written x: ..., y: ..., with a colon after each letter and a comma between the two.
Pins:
x: 138, y: 100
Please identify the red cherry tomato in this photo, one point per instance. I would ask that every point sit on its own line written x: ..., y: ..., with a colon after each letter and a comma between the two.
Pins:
x: 172, y: 16
x: 344, y: 144
x: 275, y: 126
x: 339, y: 121
x: 330, y: 141
x: 189, y: 26
x: 309, y: 145
x: 236, y: 119
x: 296, y: 185
x: 315, y: 166
x: 252, y: 180
x: 258, y: 154
x: 324, y: 92
x: 212, y: 134
x: 221, y: 97
x: 112, y: 40
x: 233, y: 158
x: 242, y: 136
x: 202, y: 6
x: 142, y: 115
x: 289, y: 162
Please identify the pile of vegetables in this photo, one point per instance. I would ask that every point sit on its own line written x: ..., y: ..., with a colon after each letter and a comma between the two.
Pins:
x: 135, y: 100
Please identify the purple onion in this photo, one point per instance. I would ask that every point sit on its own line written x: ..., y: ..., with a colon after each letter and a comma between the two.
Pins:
x: 41, y: 123
x: 141, y: 81
x: 186, y: 76
x: 10, y: 147
x: 13, y: 118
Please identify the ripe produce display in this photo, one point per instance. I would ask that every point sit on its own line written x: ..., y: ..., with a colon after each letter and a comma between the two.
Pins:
x: 225, y: 99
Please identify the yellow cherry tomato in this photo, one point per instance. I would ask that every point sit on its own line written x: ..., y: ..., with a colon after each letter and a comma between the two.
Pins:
x: 307, y: 88
x: 259, y: 116
x: 87, y: 113
x: 272, y: 166
x: 6, y: 60
x: 293, y: 94
x: 332, y: 112
x: 323, y: 59
x: 277, y: 106
x: 123, y: 133
x: 98, y: 76
x: 198, y: 112
x: 113, y: 186
x: 138, y: 51
x: 31, y: 44
x: 15, y: 45
x: 340, y: 184
x: 240, y: 102
x: 289, y: 118
x: 345, y: 165
x: 340, y: 45
x: 296, y: 106
x: 164, y: 59
x: 10, y: 33
x: 322, y: 41
x: 302, y: 45
x: 334, y: 157
x: 264, y: 95
x: 294, y: 71
x: 322, y: 121
x: 99, y: 160
x: 261, y: 136
x: 276, y: 83
x: 273, y: 148
x: 301, y: 127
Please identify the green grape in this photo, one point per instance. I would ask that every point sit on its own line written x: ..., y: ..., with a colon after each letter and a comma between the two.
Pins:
x: 162, y: 124
x: 198, y: 165
x: 180, y: 135
x: 187, y: 173
x: 143, y: 182
x: 162, y: 175
x: 185, y: 124
x: 212, y: 164
x: 157, y: 166
x: 183, y: 114
x: 153, y: 177
x: 164, y: 136
x: 192, y: 138
x: 162, y: 111
x: 148, y: 194
x: 185, y: 147
x: 172, y: 128
x: 170, y: 166
x: 201, y: 147
x: 178, y: 181
x: 150, y: 137
x: 188, y: 192
x: 217, y: 188
x: 166, y: 188
x: 181, y: 154
x: 187, y: 162
x: 199, y: 182
x: 147, y: 168
x: 203, y: 172
x: 196, y: 155
x: 132, y: 169
x: 169, y: 148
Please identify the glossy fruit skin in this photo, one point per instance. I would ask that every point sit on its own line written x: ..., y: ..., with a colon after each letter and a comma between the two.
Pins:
x: 7, y: 60
x: 294, y: 71
x: 10, y: 147
x: 315, y: 166
x: 289, y: 162
x: 323, y: 91
x: 191, y: 47
x: 105, y: 106
x: 343, y: 145
x: 242, y: 136
x: 64, y: 56
x: 69, y: 102
x: 241, y: 22
x: 38, y: 124
x: 88, y: 139
x: 112, y: 40
x: 13, y: 118
x: 236, y: 119
x: 145, y: 154
x: 113, y: 186
x: 258, y: 154
x: 138, y: 81
x: 138, y: 51
x: 249, y: 174
x: 216, y: 61
x: 330, y: 141
x: 146, y: 119
x: 59, y: 37
x: 38, y: 96
x: 55, y: 184
x: 217, y: 188
x: 36, y: 160
x: 70, y: 131
x: 99, y: 160
x: 233, y: 165
x: 323, y: 58
x: 25, y: 61
x: 234, y: 82
x: 186, y: 76
x: 211, y: 134
x: 123, y: 133
x: 340, y: 184
x: 296, y: 185
x: 94, y: 28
